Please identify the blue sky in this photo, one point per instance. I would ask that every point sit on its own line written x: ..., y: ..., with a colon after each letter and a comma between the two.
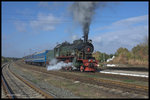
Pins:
x: 29, y: 27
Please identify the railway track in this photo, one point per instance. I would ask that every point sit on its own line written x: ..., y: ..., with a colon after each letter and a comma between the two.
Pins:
x: 15, y: 86
x: 101, y: 75
x: 126, y: 87
x: 115, y: 76
x: 7, y: 90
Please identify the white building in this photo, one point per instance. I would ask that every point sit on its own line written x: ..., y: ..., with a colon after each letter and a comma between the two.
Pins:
x: 110, y: 59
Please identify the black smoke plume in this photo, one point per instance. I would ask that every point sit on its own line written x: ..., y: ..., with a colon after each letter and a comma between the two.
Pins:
x: 83, y: 12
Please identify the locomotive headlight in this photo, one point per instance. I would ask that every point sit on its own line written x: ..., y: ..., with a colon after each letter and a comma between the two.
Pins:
x: 98, y: 65
x: 89, y: 60
x: 88, y: 49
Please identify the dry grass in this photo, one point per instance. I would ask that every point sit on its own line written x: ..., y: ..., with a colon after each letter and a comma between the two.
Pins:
x: 134, y: 62
x: 137, y: 62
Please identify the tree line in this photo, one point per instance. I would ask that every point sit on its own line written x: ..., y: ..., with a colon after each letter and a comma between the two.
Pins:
x: 102, y: 57
x: 137, y: 56
x: 8, y: 59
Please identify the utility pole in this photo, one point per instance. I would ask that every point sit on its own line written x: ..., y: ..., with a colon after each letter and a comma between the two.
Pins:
x: 104, y: 57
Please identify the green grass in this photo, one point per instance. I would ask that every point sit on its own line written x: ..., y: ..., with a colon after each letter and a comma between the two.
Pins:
x: 34, y: 81
x: 128, y: 81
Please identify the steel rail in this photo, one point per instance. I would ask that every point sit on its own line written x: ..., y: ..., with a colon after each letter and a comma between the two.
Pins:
x: 42, y: 92
x: 99, y: 81
x: 8, y: 91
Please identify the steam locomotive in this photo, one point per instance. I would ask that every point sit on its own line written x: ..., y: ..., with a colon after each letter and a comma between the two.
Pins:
x: 79, y: 53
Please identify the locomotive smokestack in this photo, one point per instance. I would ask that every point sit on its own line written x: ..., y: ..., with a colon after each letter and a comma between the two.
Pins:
x: 85, y: 38
x: 86, y: 32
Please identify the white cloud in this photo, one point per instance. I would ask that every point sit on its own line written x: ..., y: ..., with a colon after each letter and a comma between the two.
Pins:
x: 45, y: 22
x: 20, y: 26
x: 124, y: 33
x: 133, y: 20
x: 126, y: 23
x: 74, y: 37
